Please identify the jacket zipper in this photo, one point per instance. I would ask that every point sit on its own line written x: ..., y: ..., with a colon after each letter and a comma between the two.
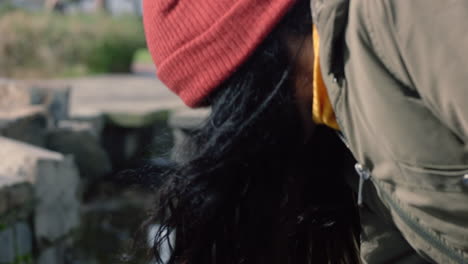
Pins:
x: 364, y: 175
x: 433, y: 241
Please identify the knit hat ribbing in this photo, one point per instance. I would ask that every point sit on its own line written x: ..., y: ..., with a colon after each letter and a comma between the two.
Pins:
x: 197, y: 44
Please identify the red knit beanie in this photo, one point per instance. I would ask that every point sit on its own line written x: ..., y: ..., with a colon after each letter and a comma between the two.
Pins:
x: 197, y: 44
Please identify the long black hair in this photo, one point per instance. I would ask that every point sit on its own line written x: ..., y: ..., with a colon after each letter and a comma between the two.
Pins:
x: 251, y: 189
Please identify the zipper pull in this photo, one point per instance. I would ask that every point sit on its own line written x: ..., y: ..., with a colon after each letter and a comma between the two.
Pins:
x: 364, y: 175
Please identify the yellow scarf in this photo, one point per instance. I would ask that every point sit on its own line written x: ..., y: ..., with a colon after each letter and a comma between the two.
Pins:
x: 322, y: 110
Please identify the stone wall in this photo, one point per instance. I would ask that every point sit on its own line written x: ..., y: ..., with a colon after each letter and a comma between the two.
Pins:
x: 39, y: 188
x: 49, y: 156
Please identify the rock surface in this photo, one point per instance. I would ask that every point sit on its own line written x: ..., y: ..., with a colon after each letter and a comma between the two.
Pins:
x: 55, y: 98
x: 57, y: 210
x: 80, y: 140
x: 7, y: 249
x: 27, y: 124
x: 121, y: 118
x: 17, y: 195
x: 13, y: 95
x: 55, y: 181
x: 52, y: 255
x: 23, y: 239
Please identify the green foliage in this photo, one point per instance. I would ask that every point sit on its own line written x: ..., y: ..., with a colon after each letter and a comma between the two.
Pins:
x: 26, y: 259
x: 46, y: 45
x: 6, y: 7
x: 143, y: 56
x: 112, y: 54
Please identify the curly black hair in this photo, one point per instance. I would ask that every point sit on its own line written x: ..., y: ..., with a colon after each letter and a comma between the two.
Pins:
x: 250, y: 190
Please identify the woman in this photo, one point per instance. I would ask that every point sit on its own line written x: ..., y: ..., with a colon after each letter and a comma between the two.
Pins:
x: 263, y: 166
x: 264, y: 185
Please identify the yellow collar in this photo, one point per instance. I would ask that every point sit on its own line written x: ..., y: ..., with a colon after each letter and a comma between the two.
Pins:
x: 322, y: 110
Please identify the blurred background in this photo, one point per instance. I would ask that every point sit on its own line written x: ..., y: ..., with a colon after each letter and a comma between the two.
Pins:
x: 80, y: 107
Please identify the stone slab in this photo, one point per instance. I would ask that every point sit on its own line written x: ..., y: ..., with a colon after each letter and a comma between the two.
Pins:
x: 19, y: 160
x: 55, y: 182
x: 16, y: 171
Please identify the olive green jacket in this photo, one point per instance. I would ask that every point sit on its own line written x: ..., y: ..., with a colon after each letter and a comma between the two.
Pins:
x: 397, y: 76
